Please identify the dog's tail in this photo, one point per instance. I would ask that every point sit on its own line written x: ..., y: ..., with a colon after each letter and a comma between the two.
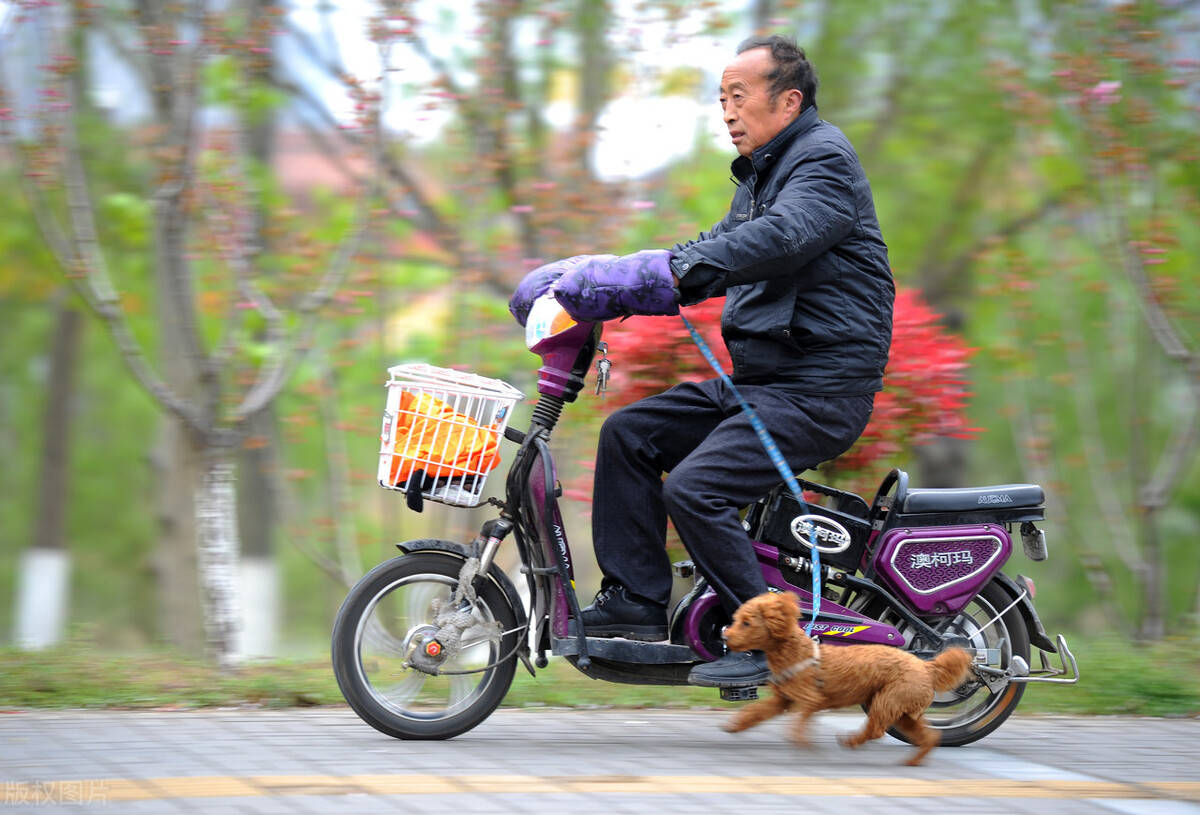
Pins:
x: 949, y: 668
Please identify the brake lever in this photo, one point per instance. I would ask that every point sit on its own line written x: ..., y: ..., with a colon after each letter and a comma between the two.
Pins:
x: 603, y: 365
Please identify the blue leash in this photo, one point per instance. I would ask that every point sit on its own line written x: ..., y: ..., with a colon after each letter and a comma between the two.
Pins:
x: 777, y: 459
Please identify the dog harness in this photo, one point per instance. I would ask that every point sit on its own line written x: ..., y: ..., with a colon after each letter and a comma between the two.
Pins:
x: 799, y: 668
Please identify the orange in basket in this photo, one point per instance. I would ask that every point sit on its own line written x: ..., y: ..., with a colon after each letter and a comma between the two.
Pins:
x: 432, y: 436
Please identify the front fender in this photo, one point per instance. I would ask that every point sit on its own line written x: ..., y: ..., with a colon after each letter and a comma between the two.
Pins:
x: 463, y: 552
x: 436, y: 545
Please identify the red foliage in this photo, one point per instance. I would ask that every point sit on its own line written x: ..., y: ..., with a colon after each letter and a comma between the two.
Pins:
x: 650, y: 354
x: 925, y: 387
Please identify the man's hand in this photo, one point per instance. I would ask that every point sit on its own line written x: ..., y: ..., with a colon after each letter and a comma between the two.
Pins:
x: 540, y: 280
x: 603, y: 287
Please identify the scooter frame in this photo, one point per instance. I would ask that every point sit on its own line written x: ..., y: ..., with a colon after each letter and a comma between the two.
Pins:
x: 532, y: 513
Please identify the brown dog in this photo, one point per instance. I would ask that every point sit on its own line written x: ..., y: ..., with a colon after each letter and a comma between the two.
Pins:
x: 895, y: 686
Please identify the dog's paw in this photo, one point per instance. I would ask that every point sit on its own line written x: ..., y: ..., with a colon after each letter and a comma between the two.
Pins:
x: 733, y: 725
x: 848, y: 741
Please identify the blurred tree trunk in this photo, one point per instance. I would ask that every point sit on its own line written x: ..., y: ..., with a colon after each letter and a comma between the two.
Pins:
x: 180, y: 456
x: 337, y: 477
x: 593, y: 21
x: 1196, y: 614
x: 177, y: 472
x: 258, y: 521
x: 763, y: 14
x: 43, y: 582
x: 1151, y: 565
x: 258, y: 470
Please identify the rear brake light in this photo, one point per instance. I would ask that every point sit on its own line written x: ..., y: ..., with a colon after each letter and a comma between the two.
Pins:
x: 1029, y: 587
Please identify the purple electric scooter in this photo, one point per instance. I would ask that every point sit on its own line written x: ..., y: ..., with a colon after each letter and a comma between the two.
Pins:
x: 426, y: 644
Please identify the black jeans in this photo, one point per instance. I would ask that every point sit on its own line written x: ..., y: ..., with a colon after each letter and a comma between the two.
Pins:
x: 698, y: 433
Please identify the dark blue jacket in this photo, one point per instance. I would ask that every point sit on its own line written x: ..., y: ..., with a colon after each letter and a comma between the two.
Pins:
x: 803, y: 266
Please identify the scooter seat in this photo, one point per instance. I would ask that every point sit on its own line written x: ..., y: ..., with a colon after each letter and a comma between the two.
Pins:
x: 973, y: 499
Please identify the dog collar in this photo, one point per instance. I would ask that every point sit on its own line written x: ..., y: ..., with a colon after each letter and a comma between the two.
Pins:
x: 800, y: 667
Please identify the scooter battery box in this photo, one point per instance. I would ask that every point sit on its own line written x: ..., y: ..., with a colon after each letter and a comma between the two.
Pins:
x: 837, y: 522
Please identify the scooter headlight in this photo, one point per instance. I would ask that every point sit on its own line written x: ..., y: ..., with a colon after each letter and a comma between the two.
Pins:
x: 546, y: 319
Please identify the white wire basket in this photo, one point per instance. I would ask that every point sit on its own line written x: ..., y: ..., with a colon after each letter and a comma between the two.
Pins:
x: 443, y: 427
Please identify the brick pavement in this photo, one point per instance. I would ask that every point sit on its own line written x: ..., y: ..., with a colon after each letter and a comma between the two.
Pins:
x: 579, y: 761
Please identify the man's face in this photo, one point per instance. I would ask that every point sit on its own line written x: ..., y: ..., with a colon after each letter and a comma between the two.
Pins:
x: 753, y: 118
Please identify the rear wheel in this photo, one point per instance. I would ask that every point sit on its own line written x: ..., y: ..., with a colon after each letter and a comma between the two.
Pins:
x: 975, y: 709
x: 388, y: 614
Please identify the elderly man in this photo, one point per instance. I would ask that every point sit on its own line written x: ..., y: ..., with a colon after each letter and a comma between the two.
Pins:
x: 807, y: 321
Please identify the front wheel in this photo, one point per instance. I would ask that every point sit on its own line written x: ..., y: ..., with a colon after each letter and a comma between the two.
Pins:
x: 387, y: 615
x: 973, y: 710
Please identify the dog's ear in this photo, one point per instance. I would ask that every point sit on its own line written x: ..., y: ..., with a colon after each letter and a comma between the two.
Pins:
x: 781, y: 615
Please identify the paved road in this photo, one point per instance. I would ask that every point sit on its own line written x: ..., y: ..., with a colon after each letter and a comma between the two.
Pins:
x: 598, y: 761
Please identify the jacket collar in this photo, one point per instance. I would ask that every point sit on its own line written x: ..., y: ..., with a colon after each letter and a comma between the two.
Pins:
x: 766, y: 155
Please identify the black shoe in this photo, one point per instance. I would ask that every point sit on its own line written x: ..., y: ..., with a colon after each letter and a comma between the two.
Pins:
x: 736, y: 669
x: 617, y: 613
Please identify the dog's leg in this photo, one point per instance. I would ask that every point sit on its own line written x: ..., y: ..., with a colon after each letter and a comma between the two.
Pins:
x: 799, y: 730
x: 924, y: 737
x: 756, y: 713
x: 876, y: 725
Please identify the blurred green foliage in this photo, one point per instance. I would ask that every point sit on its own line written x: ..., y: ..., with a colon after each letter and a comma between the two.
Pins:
x: 990, y: 186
